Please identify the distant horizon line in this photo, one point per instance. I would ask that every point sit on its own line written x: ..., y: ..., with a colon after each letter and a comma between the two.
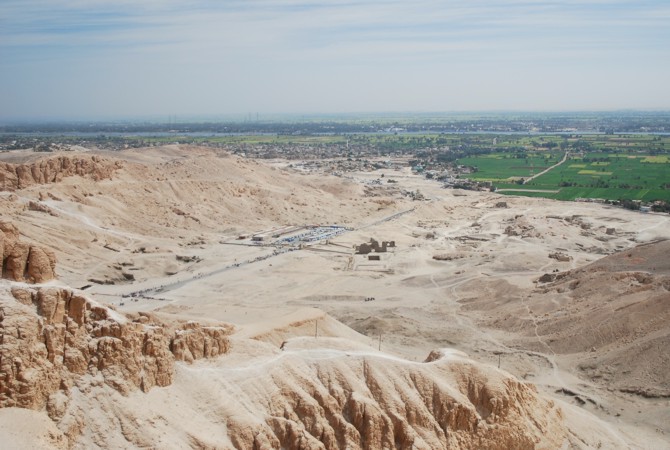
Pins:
x: 260, y: 116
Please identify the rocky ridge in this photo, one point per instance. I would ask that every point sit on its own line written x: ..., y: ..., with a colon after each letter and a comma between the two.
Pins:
x: 55, y: 340
x: 367, y: 402
x: 54, y: 169
x: 52, y: 335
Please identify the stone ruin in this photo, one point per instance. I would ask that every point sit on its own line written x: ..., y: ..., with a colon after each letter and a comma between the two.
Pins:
x: 373, y: 246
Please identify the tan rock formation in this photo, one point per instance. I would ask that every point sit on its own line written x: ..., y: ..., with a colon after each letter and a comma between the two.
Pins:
x: 51, y: 336
x: 193, y: 341
x: 9, y: 235
x: 22, y: 261
x: 41, y: 265
x: 16, y: 262
x: 322, y: 398
x: 41, y: 207
x: 53, y: 170
x: 54, y: 339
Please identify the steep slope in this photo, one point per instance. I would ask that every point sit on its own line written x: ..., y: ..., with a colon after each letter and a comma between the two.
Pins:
x: 182, y: 188
x: 52, y: 336
x: 311, y: 396
x: 53, y: 169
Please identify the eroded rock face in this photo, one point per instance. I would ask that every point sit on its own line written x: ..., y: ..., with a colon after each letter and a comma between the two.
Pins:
x: 54, y: 341
x: 41, y: 265
x: 50, y: 336
x: 22, y: 261
x: 193, y: 341
x: 368, y: 403
x: 41, y: 207
x: 9, y: 235
x: 16, y: 262
x: 53, y: 170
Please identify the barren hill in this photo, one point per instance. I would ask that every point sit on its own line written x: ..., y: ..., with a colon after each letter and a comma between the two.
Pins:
x: 609, y: 317
x: 158, y: 202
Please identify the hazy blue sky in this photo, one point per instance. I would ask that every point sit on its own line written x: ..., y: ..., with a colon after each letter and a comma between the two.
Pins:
x: 104, y: 58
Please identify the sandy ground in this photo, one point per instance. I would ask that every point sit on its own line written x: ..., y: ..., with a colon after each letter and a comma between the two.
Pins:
x: 418, y: 303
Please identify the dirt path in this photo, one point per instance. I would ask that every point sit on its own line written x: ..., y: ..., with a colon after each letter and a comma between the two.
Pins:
x: 556, y: 191
x: 155, y: 289
x: 565, y: 158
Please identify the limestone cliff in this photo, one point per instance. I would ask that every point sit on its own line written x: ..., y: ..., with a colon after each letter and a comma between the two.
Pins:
x: 51, y: 336
x: 22, y: 261
x: 361, y: 401
x: 54, y: 169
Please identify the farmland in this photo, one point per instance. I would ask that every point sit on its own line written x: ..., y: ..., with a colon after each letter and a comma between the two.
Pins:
x: 509, y: 167
x: 606, y: 167
x: 610, y: 176
x: 610, y: 156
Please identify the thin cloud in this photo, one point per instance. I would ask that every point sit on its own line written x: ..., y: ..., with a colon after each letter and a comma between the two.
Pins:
x: 321, y: 23
x: 220, y: 42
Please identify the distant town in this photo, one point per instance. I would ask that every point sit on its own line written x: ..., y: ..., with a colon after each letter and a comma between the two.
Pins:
x: 617, y: 158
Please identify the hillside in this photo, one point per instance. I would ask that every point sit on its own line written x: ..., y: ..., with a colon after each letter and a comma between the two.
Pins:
x: 156, y: 202
x: 88, y: 361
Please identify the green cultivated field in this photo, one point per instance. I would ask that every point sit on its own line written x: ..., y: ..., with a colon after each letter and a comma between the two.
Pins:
x: 507, y: 167
x: 613, y: 176
x: 618, y: 175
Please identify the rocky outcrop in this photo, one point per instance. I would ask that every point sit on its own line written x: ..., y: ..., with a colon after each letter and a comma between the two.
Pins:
x: 560, y: 256
x: 359, y: 401
x: 52, y: 336
x: 54, y: 169
x: 41, y: 207
x: 22, y: 261
x: 193, y: 341
x: 41, y: 265
x: 521, y: 227
x: 54, y: 341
